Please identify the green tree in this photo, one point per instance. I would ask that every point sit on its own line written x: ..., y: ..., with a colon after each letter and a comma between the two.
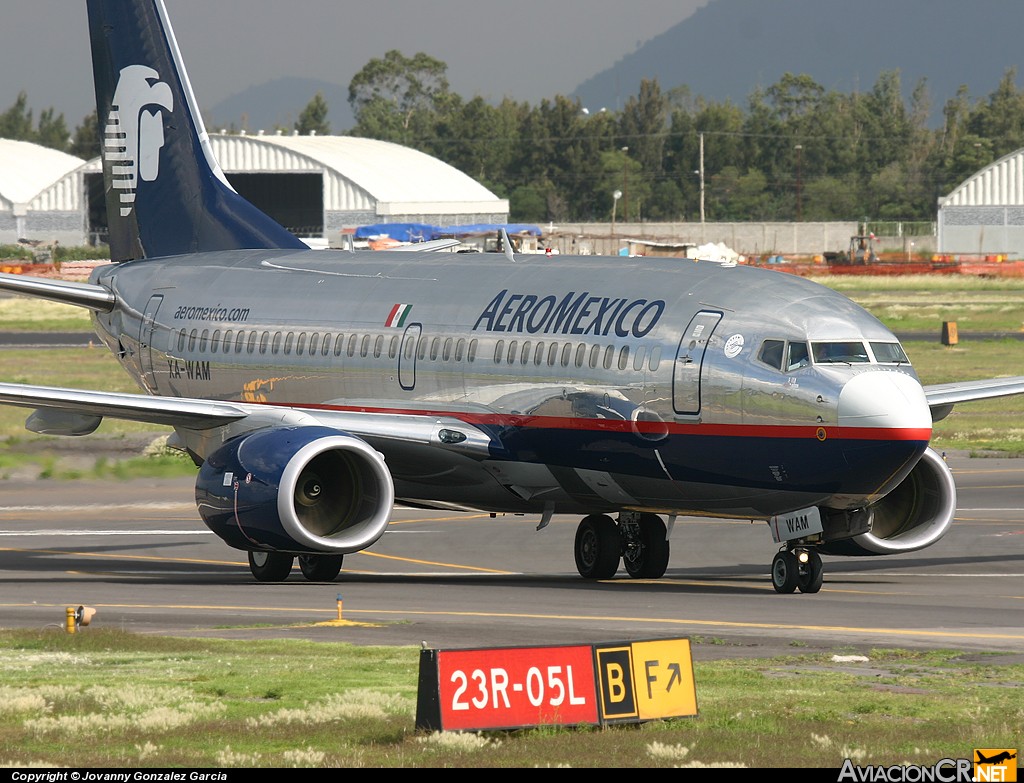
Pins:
x: 395, y: 96
x: 313, y: 118
x: 86, y: 140
x: 642, y: 127
x: 1000, y: 119
x: 16, y: 122
x: 52, y: 131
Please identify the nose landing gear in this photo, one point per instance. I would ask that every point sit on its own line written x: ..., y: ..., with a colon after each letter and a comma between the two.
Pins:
x: 797, y: 568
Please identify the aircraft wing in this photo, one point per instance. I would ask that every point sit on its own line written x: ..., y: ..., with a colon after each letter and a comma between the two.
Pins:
x: 432, y: 245
x: 62, y: 411
x: 173, y: 411
x: 943, y: 396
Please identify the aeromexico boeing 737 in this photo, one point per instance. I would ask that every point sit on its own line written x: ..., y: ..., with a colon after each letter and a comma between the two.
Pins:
x: 316, y: 389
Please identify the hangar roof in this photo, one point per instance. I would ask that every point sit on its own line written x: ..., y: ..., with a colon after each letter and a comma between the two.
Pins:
x: 999, y: 184
x: 371, y: 170
x: 27, y: 169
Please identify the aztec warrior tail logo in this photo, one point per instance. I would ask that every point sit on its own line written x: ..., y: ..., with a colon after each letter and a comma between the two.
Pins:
x: 134, y: 136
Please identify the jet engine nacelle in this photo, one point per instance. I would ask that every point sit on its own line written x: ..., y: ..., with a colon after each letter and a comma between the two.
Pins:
x: 916, y: 514
x: 296, y: 489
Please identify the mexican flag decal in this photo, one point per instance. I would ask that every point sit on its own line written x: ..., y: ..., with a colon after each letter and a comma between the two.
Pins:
x: 398, y: 315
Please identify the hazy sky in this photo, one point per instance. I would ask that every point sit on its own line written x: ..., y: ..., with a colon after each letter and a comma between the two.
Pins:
x: 526, y: 50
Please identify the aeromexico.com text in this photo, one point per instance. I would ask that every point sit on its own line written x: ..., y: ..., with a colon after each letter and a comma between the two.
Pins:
x: 574, y: 313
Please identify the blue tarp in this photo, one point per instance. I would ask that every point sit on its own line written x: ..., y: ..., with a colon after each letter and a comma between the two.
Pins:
x: 403, y: 232
x: 421, y: 232
x: 487, y: 228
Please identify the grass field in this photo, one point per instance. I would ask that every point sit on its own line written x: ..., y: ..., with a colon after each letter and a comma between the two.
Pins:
x: 131, y: 701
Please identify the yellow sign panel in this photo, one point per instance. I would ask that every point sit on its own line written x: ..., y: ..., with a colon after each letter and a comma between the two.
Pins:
x: 663, y: 679
x: 646, y: 680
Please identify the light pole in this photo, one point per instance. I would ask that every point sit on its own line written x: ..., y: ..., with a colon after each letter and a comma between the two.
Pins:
x: 799, y: 200
x: 701, y: 172
x: 625, y: 183
x: 615, y: 202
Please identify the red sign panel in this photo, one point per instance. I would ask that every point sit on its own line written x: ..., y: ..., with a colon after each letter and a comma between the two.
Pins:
x: 510, y: 688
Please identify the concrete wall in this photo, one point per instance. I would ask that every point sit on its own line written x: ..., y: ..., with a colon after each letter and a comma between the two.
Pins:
x: 749, y: 239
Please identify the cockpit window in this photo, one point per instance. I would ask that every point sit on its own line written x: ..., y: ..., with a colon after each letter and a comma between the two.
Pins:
x: 780, y: 355
x: 798, y: 356
x: 771, y: 353
x: 852, y: 352
x: 889, y: 353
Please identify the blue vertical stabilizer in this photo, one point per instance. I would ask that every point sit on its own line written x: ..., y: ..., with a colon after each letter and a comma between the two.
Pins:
x: 165, y: 192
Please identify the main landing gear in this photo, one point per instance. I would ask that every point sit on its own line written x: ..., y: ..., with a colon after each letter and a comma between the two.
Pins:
x: 639, y: 540
x: 276, y: 566
x: 797, y: 568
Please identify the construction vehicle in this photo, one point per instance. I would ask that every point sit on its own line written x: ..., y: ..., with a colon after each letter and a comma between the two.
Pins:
x: 861, y: 252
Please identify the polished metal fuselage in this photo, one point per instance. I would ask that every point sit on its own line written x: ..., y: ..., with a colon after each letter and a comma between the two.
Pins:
x: 602, y: 383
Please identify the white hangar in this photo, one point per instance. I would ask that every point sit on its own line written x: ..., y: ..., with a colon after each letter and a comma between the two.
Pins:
x: 984, y: 215
x: 41, y: 195
x: 316, y: 186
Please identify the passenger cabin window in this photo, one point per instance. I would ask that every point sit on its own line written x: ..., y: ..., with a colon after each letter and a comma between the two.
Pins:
x: 851, y: 352
x: 655, y: 359
x: 638, y: 358
x: 889, y: 353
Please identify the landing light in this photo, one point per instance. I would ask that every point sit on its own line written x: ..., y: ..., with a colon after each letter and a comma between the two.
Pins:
x: 803, y: 557
x: 451, y: 436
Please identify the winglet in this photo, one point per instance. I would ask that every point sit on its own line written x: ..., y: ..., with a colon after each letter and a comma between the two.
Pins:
x: 507, y: 244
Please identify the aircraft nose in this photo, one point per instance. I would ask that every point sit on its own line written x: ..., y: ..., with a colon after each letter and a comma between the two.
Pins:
x: 891, y: 400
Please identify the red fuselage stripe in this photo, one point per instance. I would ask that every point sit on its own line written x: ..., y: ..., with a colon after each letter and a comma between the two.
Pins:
x: 617, y: 425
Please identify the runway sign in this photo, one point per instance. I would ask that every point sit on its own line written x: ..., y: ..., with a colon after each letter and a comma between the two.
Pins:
x: 519, y: 687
